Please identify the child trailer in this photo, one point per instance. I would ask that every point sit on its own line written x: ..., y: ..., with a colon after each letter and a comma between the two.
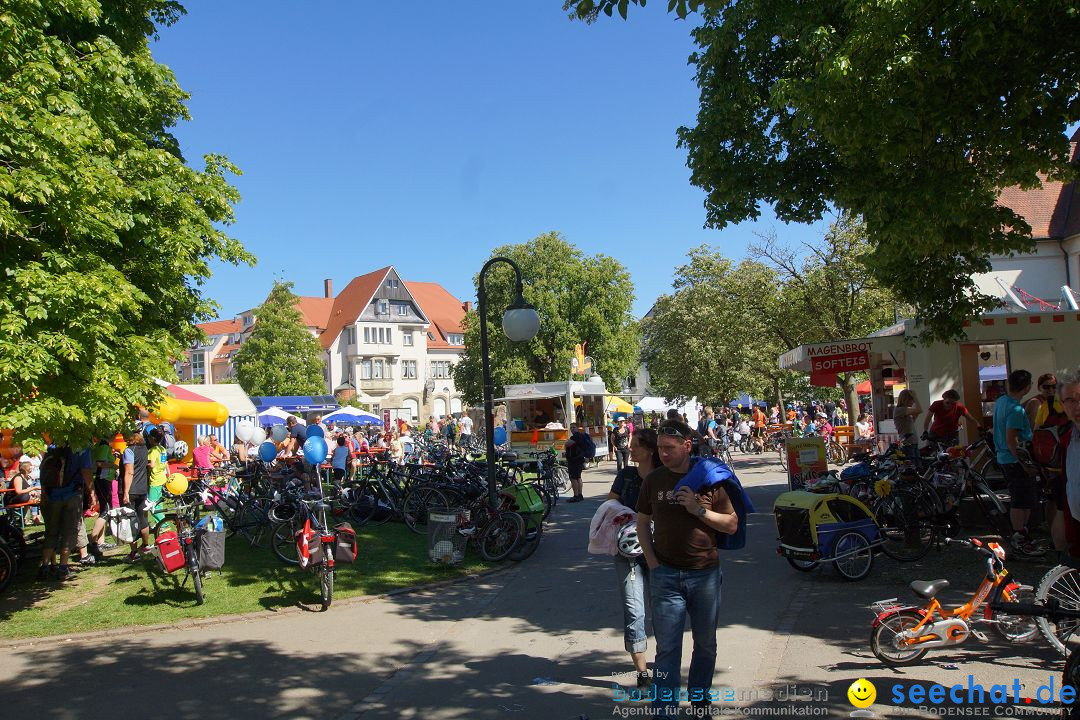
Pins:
x: 817, y: 528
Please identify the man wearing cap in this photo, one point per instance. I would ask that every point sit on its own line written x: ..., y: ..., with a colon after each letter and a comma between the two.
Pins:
x: 678, y: 535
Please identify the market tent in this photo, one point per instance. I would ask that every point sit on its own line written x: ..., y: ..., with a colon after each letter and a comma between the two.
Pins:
x: 745, y: 401
x: 614, y: 404
x: 277, y: 416
x: 655, y: 404
x: 352, y: 416
x: 235, y: 400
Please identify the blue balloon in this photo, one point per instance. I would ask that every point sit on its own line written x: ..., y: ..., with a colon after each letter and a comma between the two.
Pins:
x: 314, y: 431
x: 267, y: 451
x: 315, y: 450
x: 500, y: 435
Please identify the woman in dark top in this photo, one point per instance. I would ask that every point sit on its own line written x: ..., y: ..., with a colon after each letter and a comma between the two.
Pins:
x: 633, y: 574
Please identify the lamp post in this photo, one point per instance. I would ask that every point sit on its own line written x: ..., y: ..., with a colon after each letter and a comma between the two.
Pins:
x: 520, y: 323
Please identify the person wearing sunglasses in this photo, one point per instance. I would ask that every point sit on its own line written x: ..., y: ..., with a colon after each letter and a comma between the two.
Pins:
x: 677, y: 531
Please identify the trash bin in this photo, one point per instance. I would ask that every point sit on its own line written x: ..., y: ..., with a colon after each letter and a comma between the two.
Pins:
x: 445, y: 544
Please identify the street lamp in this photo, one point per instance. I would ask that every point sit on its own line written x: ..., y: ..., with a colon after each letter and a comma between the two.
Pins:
x: 520, y: 323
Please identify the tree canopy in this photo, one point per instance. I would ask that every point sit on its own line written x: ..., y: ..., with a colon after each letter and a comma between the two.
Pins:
x: 579, y: 298
x: 911, y: 115
x: 722, y: 329
x: 281, y: 357
x: 106, y: 233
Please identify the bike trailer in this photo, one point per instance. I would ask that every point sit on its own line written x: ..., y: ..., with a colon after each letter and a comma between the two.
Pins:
x: 210, y: 548
x: 526, y: 502
x: 344, y: 543
x: 170, y: 554
x: 809, y: 524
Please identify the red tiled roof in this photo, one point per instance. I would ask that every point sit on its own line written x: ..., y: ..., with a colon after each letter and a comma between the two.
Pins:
x: 1053, y: 210
x: 350, y: 302
x: 221, y: 327
x: 316, y: 310
x: 442, y: 309
x: 226, y: 349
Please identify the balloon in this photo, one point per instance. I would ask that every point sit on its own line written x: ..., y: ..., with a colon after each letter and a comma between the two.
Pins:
x: 279, y: 433
x: 258, y: 436
x: 267, y: 451
x: 313, y: 430
x: 245, y: 430
x: 500, y: 435
x: 315, y: 450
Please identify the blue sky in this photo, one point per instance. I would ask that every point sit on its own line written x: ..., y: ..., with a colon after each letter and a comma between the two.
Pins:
x: 422, y: 135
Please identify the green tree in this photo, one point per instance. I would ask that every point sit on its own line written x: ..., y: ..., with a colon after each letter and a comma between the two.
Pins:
x: 281, y: 357
x: 106, y: 233
x: 912, y: 115
x: 579, y: 298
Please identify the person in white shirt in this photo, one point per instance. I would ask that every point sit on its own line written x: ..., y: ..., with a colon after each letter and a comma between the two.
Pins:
x: 465, y: 425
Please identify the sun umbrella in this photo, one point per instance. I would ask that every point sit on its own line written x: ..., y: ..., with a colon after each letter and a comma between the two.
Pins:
x: 352, y: 416
x: 618, y: 405
x: 276, y: 416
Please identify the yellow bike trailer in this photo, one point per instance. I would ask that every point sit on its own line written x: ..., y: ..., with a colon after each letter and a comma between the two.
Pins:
x: 815, y: 528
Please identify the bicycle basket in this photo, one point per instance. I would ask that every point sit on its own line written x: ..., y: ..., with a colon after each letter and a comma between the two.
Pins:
x: 210, y: 548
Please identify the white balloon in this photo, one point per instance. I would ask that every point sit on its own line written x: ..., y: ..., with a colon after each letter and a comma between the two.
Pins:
x: 245, y: 430
x: 258, y: 436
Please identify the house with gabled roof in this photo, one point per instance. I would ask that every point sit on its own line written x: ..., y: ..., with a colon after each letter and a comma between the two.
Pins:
x: 387, y: 342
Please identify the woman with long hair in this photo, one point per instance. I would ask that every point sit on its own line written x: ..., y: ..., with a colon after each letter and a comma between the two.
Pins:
x: 632, y: 573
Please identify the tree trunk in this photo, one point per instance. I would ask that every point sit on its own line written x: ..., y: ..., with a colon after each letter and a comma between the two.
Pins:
x: 852, y: 398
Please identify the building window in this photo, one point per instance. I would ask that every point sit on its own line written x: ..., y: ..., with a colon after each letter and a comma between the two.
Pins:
x: 430, y: 337
x: 456, y: 339
x: 367, y: 335
x: 198, y: 364
x: 383, y: 307
x: 411, y: 408
x: 376, y: 408
x: 376, y: 369
x: 350, y: 335
x: 408, y: 369
x: 391, y: 282
x: 407, y: 338
x: 440, y: 369
x: 402, y: 309
x: 455, y: 405
x: 365, y: 369
x: 389, y: 336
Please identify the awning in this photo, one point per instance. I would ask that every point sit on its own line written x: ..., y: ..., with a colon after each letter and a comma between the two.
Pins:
x: 617, y: 404
x: 296, y: 403
x: 886, y: 341
x: 531, y: 396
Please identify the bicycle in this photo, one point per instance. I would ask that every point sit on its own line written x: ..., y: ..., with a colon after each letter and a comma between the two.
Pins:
x: 181, y: 523
x: 310, y: 534
x: 1060, y: 584
x: 903, y: 634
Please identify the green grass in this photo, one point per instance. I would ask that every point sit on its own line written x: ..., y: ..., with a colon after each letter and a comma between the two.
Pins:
x: 120, y: 594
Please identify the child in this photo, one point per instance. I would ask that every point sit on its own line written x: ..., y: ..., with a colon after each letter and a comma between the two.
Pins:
x: 339, y: 461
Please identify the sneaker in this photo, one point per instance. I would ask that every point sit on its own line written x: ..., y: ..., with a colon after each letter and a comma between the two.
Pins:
x: 88, y: 560
x: 576, y: 498
x: 644, y: 680
x: 106, y: 546
x: 62, y: 572
x: 45, y: 571
x: 1023, y: 547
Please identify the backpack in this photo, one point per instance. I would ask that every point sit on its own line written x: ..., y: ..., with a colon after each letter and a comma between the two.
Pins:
x: 54, y: 469
x: 588, y: 446
x: 1046, y: 447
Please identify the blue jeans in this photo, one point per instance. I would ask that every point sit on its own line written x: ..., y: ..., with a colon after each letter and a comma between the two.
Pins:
x: 676, y: 595
x: 633, y: 581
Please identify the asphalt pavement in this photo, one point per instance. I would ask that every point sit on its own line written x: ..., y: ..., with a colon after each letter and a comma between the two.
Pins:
x: 542, y: 639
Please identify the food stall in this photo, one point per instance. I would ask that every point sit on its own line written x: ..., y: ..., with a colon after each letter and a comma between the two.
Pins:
x: 976, y: 366
x: 584, y: 399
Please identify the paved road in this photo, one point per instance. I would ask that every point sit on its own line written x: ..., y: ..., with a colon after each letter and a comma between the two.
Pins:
x: 541, y: 640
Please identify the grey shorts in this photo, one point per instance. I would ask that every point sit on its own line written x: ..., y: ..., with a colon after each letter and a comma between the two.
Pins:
x: 62, y: 519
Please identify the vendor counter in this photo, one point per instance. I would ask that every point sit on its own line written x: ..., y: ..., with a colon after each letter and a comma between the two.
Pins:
x: 534, y: 440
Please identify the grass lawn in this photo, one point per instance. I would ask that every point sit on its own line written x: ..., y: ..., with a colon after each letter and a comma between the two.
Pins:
x: 118, y: 594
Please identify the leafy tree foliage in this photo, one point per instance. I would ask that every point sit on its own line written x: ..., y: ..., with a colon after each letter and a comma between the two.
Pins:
x: 579, y: 298
x: 725, y: 325
x: 911, y: 114
x: 281, y: 357
x: 106, y: 233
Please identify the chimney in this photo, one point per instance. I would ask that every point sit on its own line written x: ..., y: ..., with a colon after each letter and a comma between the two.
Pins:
x: 328, y: 288
x: 466, y: 306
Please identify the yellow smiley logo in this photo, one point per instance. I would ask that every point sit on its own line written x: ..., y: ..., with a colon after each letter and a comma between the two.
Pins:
x: 862, y: 693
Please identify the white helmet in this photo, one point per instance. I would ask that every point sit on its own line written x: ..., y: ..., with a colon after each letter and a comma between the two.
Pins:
x: 180, y: 450
x: 626, y: 539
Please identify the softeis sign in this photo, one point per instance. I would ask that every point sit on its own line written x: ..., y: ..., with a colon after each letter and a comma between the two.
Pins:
x: 826, y: 361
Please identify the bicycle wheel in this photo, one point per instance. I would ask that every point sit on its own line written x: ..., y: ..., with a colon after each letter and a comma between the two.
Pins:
x: 418, y: 503
x: 169, y: 523
x: 991, y: 507
x: 907, y: 531
x: 283, y: 542
x: 885, y: 639
x: 529, y: 542
x: 8, y: 565
x: 562, y: 478
x: 854, y: 556
x: 326, y: 586
x: 802, y: 565
x: 783, y: 457
x: 501, y: 536
x: 255, y: 523
x: 1060, y: 583
x: 835, y: 453
x: 195, y: 573
x: 1016, y: 628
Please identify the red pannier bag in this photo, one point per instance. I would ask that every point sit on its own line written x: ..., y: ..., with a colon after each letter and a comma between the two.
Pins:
x: 308, y: 546
x: 344, y: 543
x: 170, y: 554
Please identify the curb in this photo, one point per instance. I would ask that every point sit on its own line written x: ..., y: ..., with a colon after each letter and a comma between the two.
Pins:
x: 130, y: 630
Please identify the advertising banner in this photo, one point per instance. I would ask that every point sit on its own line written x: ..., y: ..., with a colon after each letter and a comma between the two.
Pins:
x: 806, y: 460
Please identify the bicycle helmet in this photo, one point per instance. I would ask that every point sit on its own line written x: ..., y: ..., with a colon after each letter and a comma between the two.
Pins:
x: 177, y: 484
x: 626, y: 538
x: 180, y: 450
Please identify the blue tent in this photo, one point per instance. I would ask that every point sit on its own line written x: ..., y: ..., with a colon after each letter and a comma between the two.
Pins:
x: 296, y: 403
x: 746, y: 402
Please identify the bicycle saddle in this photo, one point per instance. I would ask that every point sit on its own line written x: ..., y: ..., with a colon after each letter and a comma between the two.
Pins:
x: 928, y: 589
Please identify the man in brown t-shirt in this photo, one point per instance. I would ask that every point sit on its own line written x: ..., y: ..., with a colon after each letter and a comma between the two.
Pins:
x: 685, y: 581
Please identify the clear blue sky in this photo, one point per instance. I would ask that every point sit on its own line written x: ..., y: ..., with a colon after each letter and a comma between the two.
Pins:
x: 422, y: 135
